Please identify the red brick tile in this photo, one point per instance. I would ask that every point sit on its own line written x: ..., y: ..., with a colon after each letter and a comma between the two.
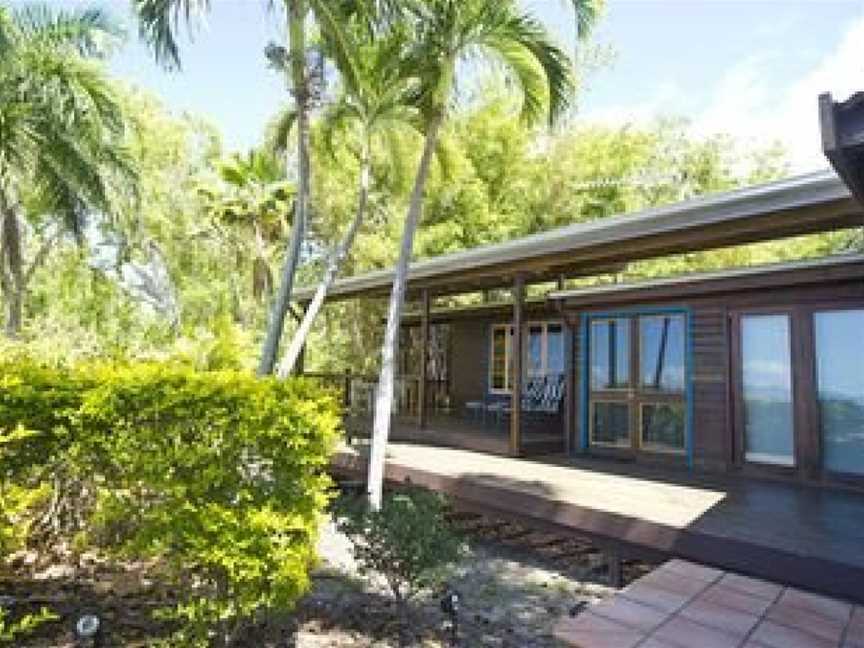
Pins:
x: 692, y: 570
x: 855, y: 630
x: 816, y: 624
x: 735, y: 599
x: 590, y: 631
x: 823, y: 605
x: 655, y: 597
x: 752, y: 586
x: 630, y: 613
x: 675, y: 582
x: 689, y: 634
x: 780, y: 636
x: 720, y: 617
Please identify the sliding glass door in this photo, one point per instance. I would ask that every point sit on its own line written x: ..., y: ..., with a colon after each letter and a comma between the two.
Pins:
x: 838, y: 337
x: 637, y: 382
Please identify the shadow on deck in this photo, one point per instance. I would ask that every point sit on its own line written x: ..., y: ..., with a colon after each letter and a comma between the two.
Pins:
x: 795, y: 535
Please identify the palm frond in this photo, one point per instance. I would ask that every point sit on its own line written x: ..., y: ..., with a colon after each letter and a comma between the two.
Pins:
x: 90, y: 32
x: 279, y: 130
x: 159, y: 22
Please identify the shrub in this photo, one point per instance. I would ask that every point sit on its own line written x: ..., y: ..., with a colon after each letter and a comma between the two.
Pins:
x: 220, y: 475
x: 408, y: 542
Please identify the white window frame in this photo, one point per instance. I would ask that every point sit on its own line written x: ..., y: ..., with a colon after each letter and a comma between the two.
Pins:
x: 508, y: 350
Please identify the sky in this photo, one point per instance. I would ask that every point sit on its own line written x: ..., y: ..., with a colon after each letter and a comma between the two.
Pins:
x: 750, y: 68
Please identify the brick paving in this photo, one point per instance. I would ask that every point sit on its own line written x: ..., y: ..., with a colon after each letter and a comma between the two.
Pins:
x: 686, y: 605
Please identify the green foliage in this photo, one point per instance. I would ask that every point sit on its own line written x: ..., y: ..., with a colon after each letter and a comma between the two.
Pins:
x: 219, y: 475
x: 409, y: 541
x: 12, y: 631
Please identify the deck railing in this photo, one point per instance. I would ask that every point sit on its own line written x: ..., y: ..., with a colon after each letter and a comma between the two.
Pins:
x: 358, y: 392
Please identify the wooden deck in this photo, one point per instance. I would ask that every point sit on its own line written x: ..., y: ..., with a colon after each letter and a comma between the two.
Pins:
x: 804, y: 537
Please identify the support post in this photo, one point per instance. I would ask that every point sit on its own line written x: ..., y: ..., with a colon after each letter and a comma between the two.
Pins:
x: 424, y: 359
x: 516, y: 380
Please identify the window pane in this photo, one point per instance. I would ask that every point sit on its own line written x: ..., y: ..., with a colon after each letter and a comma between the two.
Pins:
x: 534, y: 350
x: 663, y: 426
x: 555, y: 349
x: 767, y: 386
x: 499, y: 358
x: 661, y: 352
x: 610, y: 424
x: 840, y: 380
x: 610, y: 354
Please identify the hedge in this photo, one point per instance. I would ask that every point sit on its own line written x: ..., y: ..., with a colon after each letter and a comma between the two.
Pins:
x: 220, y: 475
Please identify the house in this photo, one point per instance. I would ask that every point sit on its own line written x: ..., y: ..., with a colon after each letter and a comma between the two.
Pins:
x: 675, y: 416
x: 752, y: 369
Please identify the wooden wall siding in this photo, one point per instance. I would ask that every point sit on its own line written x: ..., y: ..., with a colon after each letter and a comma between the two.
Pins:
x: 710, y: 436
x: 469, y: 340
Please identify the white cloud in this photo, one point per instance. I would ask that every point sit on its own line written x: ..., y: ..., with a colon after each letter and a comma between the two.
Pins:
x: 746, y: 106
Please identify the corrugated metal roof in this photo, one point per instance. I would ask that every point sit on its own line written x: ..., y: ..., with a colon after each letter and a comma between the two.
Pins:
x: 810, y: 202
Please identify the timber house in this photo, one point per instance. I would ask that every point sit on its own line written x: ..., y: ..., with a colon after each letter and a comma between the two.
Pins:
x: 747, y: 381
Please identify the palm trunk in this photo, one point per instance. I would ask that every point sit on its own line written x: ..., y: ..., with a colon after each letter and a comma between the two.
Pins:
x: 296, y: 34
x: 11, y: 268
x: 389, y: 350
x: 333, y: 263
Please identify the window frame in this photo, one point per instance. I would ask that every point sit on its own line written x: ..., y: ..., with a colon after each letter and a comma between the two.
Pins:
x: 508, y: 352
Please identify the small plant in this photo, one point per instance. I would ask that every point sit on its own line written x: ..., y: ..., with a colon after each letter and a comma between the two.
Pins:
x: 408, y: 542
x: 11, y: 631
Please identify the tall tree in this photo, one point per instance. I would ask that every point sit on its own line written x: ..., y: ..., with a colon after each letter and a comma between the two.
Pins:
x: 374, y: 106
x: 159, y: 20
x: 446, y: 32
x: 62, y: 129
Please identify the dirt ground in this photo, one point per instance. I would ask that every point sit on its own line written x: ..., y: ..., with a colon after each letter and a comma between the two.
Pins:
x: 513, y: 586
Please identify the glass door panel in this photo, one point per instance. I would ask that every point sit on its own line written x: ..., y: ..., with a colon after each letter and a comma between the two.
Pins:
x: 766, y: 382
x: 610, y: 417
x: 661, y: 393
x: 839, y: 348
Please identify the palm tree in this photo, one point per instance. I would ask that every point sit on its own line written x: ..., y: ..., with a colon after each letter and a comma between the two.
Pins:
x: 62, y: 129
x: 446, y: 32
x: 374, y: 105
x: 159, y: 20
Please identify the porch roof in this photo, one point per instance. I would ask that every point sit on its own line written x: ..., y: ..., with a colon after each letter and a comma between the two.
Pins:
x: 818, y: 201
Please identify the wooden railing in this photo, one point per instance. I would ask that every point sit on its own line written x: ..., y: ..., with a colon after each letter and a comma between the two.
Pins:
x: 358, y: 391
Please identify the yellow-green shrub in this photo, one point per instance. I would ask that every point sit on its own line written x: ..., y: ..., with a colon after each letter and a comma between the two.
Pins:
x: 220, y: 474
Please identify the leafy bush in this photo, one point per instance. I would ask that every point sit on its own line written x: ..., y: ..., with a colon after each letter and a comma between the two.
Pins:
x: 409, y: 541
x: 11, y: 631
x: 220, y: 475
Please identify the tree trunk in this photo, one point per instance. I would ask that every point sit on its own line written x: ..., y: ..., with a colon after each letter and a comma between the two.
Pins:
x: 335, y: 260
x: 11, y: 268
x: 296, y: 34
x: 384, y: 393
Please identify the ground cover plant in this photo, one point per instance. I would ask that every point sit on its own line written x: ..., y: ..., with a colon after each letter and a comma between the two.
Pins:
x: 217, y: 477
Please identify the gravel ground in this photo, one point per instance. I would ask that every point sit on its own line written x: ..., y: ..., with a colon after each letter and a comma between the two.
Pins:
x: 511, y: 596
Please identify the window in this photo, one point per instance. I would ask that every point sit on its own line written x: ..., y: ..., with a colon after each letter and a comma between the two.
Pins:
x: 544, y: 353
x: 661, y: 353
x: 610, y: 423
x: 662, y: 426
x: 766, y: 380
x: 840, y: 388
x: 610, y: 354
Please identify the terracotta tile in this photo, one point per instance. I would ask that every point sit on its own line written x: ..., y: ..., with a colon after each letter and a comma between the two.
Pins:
x: 689, y: 634
x: 693, y: 570
x: 753, y: 586
x: 720, y: 617
x: 735, y: 599
x: 780, y: 636
x: 630, y: 613
x: 590, y: 631
x: 675, y: 582
x: 655, y: 597
x: 816, y: 624
x: 654, y: 642
x: 823, y: 605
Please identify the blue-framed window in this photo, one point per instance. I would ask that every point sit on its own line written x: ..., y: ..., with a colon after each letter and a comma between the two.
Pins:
x: 637, y: 380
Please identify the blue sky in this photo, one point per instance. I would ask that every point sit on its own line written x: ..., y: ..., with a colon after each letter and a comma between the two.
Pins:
x: 752, y: 68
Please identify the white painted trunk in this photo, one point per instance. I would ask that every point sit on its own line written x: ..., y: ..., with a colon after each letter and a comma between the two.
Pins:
x: 270, y: 349
x: 335, y: 259
x: 384, y: 392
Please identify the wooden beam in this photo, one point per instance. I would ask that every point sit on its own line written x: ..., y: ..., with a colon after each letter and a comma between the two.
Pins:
x: 516, y: 381
x: 424, y: 359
